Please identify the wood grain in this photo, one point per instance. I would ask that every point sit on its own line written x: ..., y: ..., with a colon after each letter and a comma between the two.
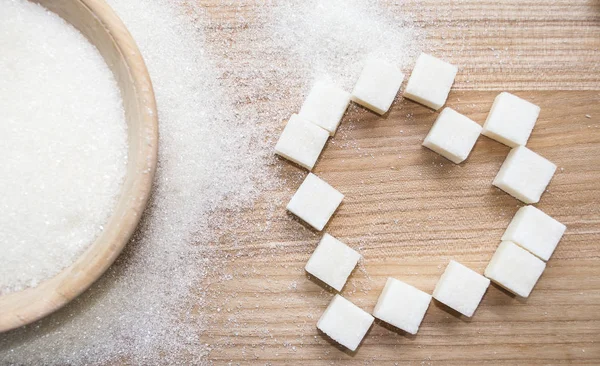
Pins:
x: 96, y: 21
x: 408, y: 210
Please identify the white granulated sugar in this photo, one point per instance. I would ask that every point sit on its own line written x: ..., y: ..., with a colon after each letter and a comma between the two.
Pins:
x: 226, y: 78
x: 204, y: 157
x: 63, y: 150
x: 335, y: 37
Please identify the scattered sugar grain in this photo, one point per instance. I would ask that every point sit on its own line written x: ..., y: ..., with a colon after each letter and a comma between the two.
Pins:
x: 141, y: 310
x: 260, y: 76
x: 334, y: 38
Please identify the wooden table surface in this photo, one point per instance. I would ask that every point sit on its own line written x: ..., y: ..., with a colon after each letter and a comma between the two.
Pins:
x: 409, y: 211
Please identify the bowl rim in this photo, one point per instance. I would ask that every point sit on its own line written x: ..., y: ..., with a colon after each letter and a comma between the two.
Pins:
x: 31, y: 304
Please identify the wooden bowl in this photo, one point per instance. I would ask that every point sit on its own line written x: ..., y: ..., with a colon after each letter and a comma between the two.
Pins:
x: 97, y: 21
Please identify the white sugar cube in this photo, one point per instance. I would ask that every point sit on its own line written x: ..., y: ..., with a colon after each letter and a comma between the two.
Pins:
x: 377, y: 86
x: 430, y: 81
x: 452, y: 135
x: 524, y: 175
x: 511, y: 120
x: 514, y: 268
x: 345, y: 322
x: 301, y: 142
x: 325, y: 105
x: 461, y: 288
x: 535, y: 231
x: 315, y: 201
x: 332, y: 262
x: 402, y: 305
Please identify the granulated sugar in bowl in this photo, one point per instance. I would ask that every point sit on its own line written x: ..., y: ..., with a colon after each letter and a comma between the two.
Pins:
x: 78, y: 148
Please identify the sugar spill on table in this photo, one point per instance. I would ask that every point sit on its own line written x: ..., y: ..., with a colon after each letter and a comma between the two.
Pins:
x: 332, y: 39
x: 221, y: 106
x: 63, y: 153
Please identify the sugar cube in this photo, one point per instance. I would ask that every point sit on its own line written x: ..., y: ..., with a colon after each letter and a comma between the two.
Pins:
x: 535, y: 231
x: 402, y: 305
x: 315, y: 201
x: 377, y: 86
x: 325, y: 105
x: 301, y: 142
x: 514, y: 268
x: 453, y: 135
x: 430, y: 81
x: 332, y: 262
x: 511, y: 120
x: 524, y: 174
x: 345, y: 322
x: 461, y: 288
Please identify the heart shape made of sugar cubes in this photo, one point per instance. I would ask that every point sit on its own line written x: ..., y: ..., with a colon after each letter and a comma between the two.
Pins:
x: 529, y: 240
